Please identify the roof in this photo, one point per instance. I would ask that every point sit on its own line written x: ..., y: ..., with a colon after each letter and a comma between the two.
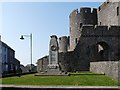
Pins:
x: 4, y: 44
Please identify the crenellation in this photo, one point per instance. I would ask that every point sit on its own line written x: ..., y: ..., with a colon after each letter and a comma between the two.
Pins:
x: 85, y: 10
x: 101, y: 27
x: 94, y: 37
x: 108, y: 14
x: 94, y: 10
x: 100, y: 30
x: 86, y: 16
x: 103, y: 6
x: 114, y: 30
x: 74, y: 12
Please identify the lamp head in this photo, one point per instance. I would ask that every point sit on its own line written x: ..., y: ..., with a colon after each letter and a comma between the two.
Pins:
x: 22, y: 38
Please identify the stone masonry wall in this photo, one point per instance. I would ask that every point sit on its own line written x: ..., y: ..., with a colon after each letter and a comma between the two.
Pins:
x: 107, y: 14
x: 92, y: 35
x: 42, y: 64
x: 72, y: 62
x: 110, y: 68
x: 67, y: 61
x: 86, y: 16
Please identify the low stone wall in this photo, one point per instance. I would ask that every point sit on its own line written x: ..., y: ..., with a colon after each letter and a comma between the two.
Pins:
x: 42, y: 64
x: 110, y: 68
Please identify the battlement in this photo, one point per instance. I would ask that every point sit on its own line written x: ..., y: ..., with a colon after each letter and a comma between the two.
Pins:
x: 103, y: 5
x: 90, y: 30
x: 74, y: 12
x: 62, y: 37
x: 53, y: 36
x: 83, y: 10
x: 107, y: 3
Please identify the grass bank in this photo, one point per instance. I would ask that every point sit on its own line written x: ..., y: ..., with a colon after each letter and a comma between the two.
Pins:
x: 75, y: 79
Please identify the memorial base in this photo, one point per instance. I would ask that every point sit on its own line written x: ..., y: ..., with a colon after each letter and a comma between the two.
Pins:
x: 52, y: 71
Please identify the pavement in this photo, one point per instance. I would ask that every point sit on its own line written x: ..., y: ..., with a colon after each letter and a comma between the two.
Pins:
x: 30, y: 87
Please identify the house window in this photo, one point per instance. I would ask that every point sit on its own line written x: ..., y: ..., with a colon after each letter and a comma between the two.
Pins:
x: 4, y: 58
x: 6, y: 67
x: 4, y: 49
x: 11, y: 67
x: 100, y: 23
x: 117, y: 11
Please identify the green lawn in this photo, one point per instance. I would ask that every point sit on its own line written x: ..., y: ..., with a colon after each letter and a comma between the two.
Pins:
x: 77, y: 79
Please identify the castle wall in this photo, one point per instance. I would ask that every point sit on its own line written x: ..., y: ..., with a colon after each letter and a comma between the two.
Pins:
x: 94, y: 41
x: 65, y: 59
x: 110, y: 68
x: 87, y: 48
x: 107, y: 14
x: 86, y: 16
x: 69, y: 62
x: 91, y: 36
x: 42, y: 64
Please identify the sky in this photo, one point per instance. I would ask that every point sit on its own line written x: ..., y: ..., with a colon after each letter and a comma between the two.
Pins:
x: 42, y: 19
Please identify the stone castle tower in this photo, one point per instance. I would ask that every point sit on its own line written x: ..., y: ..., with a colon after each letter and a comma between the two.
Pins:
x: 89, y: 16
x: 94, y: 37
x: 92, y: 34
x: 63, y: 44
x: 86, y: 16
x: 109, y: 13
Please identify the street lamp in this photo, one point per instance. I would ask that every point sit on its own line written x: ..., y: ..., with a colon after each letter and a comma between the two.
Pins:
x: 29, y: 36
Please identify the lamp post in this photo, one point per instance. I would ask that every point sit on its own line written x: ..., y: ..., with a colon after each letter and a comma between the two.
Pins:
x: 29, y: 36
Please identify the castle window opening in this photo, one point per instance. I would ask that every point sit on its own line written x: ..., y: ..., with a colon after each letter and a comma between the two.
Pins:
x: 80, y: 25
x: 100, y: 48
x: 76, y: 41
x: 117, y: 11
x: 102, y: 51
x: 99, y: 8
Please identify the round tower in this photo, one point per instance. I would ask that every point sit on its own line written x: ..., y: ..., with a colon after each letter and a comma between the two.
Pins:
x: 86, y: 16
x: 63, y: 44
